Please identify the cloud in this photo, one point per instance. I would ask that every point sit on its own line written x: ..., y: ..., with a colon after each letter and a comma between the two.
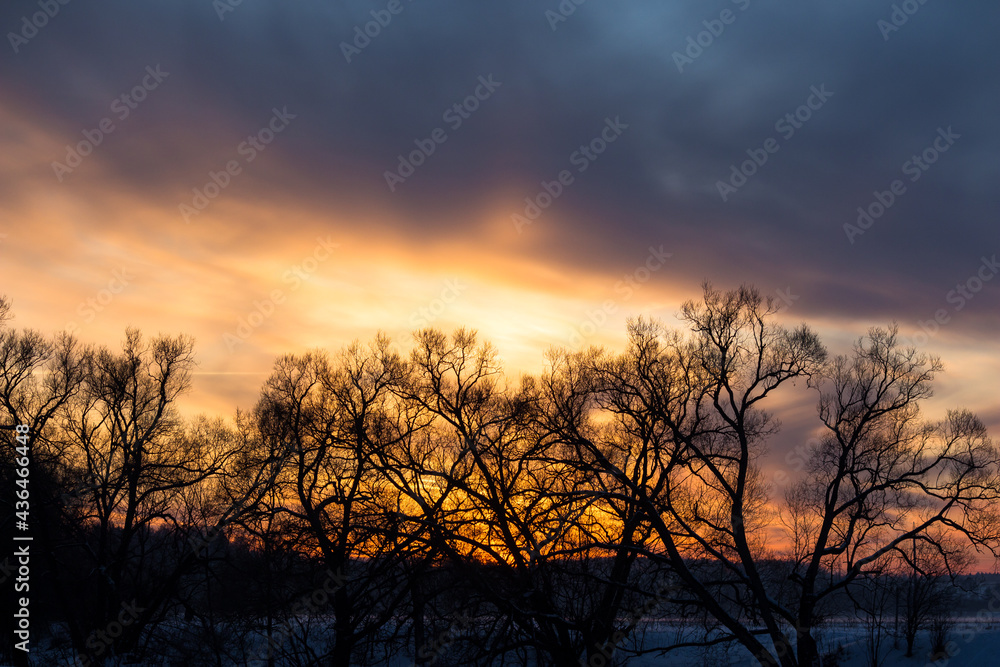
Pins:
x: 657, y: 184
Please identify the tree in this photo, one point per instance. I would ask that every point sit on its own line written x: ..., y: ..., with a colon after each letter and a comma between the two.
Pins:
x: 885, y: 477
x: 121, y: 435
x: 688, y: 410
x: 497, y: 499
x: 337, y: 417
x: 927, y: 572
x: 37, y: 378
x: 871, y: 596
x: 461, y: 517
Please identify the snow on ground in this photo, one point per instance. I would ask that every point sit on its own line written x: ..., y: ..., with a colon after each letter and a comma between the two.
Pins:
x: 972, y: 644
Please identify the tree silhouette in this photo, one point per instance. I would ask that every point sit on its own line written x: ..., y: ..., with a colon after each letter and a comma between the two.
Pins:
x: 426, y: 507
x: 688, y: 430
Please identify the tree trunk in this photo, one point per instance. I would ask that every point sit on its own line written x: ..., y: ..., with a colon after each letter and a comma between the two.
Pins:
x: 808, y: 652
x: 343, y: 632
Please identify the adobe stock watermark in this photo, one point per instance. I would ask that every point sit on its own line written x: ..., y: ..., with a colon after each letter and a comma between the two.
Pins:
x: 626, y: 287
x: 562, y: 12
x: 581, y: 158
x: 264, y: 309
x: 985, y: 618
x: 425, y: 315
x: 958, y: 298
x: 364, y: 34
x: 122, y: 107
x: 605, y: 652
x: 914, y: 168
x: 307, y: 604
x: 455, y: 115
x: 431, y: 651
x: 696, y: 44
x: 899, y: 17
x: 89, y: 483
x: 100, y: 641
x: 23, y: 514
x: 798, y: 458
x: 786, y: 126
x: 223, y: 7
x: 785, y: 298
x: 37, y: 21
x: 90, y: 307
x: 248, y: 149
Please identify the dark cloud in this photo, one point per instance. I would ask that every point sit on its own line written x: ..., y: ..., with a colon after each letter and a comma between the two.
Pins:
x: 657, y: 184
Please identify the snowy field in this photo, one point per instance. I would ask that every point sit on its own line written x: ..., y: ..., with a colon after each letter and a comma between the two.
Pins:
x: 972, y: 643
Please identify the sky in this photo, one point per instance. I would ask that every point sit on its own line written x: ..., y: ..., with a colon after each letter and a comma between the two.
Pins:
x: 275, y: 177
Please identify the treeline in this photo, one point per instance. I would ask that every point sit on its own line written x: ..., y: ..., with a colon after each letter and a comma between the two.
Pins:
x: 374, y: 507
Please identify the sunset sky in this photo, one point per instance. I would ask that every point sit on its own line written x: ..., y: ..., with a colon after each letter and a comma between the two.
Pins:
x: 238, y: 188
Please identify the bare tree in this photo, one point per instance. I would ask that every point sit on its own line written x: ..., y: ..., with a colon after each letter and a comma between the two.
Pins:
x: 337, y: 418
x: 544, y: 519
x: 37, y: 378
x: 927, y: 581
x: 499, y: 497
x: 871, y: 595
x: 884, y: 477
x: 692, y: 409
x: 129, y: 469
x: 691, y: 433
